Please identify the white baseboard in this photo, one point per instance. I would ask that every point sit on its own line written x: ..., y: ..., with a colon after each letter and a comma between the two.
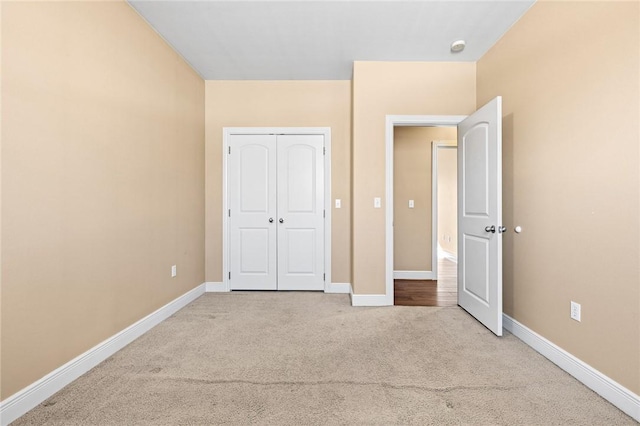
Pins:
x: 450, y: 256
x: 24, y: 400
x: 341, y: 288
x: 604, y: 386
x: 370, y: 299
x: 216, y: 287
x: 414, y: 275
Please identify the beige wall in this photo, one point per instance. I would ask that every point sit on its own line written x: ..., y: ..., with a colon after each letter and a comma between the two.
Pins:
x: 571, y: 177
x: 279, y: 104
x: 102, y: 180
x: 412, y: 160
x: 381, y: 88
x: 448, y: 199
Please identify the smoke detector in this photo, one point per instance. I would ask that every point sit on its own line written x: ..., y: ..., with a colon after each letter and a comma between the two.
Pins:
x: 457, y: 46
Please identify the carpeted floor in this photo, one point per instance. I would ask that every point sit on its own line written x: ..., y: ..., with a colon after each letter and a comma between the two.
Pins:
x: 311, y: 359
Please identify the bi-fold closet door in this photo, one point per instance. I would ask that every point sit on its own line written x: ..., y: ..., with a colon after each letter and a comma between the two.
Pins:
x: 276, y: 212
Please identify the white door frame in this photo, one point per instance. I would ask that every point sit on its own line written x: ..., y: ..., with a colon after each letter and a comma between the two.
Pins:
x: 227, y: 132
x: 405, y: 121
x: 434, y: 199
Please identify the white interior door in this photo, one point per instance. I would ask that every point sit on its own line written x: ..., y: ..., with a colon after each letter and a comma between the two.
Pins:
x: 300, y: 212
x: 252, y: 213
x: 480, y: 215
x: 276, y: 212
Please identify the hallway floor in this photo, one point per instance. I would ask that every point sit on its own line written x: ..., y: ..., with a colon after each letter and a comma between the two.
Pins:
x: 443, y: 292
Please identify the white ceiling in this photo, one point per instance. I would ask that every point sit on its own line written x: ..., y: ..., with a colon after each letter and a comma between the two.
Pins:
x: 320, y: 40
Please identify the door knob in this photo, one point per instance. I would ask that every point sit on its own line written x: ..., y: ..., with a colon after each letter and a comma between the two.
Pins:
x: 491, y: 229
x: 502, y: 229
x: 270, y: 220
x: 281, y: 220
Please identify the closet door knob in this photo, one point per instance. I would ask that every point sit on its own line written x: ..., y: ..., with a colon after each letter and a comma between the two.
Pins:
x: 270, y: 220
x: 281, y: 220
x: 491, y: 229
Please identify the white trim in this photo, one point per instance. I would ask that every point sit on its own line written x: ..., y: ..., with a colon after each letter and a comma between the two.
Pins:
x: 435, y: 145
x: 415, y: 275
x: 24, y: 400
x: 449, y: 256
x: 324, y: 131
x: 369, y: 300
x: 216, y: 287
x: 391, y: 122
x: 339, y: 288
x: 604, y: 386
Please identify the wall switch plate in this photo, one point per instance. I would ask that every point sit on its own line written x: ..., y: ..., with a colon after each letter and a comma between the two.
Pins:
x: 411, y: 204
x: 338, y: 203
x: 377, y: 202
x: 174, y: 271
x: 575, y: 311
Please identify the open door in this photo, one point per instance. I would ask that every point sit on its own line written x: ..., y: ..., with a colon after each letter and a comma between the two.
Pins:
x: 480, y: 215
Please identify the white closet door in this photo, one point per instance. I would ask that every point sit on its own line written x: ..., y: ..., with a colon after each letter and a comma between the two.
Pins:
x: 300, y: 212
x: 252, y: 205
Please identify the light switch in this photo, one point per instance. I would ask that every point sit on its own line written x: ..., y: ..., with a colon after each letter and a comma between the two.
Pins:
x: 338, y: 203
x: 410, y: 204
x: 377, y: 203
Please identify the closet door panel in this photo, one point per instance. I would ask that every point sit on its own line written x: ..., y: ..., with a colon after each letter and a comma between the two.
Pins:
x: 300, y: 212
x: 252, y: 204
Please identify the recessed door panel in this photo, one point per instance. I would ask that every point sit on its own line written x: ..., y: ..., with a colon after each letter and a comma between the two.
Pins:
x: 300, y: 178
x: 254, y: 178
x: 475, y: 172
x: 254, y: 251
x: 301, y: 254
x: 476, y: 267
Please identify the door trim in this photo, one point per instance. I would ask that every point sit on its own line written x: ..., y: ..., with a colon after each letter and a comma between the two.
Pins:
x: 227, y: 132
x: 405, y: 121
x: 435, y: 145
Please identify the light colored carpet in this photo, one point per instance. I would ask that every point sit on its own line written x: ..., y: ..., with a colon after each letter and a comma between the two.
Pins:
x: 310, y: 358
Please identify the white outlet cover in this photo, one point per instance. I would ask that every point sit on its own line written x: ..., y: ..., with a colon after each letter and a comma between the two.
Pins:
x: 338, y: 203
x: 411, y: 204
x: 174, y: 271
x: 377, y: 202
x: 575, y: 311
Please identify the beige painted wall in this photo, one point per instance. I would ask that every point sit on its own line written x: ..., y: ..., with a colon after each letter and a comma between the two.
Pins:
x: 381, y: 88
x: 448, y: 199
x: 279, y: 104
x: 102, y: 180
x: 412, y: 158
x: 571, y: 177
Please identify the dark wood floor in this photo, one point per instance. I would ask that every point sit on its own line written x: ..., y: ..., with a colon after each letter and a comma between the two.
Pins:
x: 443, y: 292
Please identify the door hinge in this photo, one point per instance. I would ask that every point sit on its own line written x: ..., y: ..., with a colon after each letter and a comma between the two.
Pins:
x: 229, y: 150
x: 229, y: 212
x: 229, y: 275
x: 324, y: 151
x: 324, y: 277
x: 324, y: 213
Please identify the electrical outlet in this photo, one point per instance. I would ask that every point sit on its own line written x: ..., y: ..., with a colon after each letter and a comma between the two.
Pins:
x: 377, y: 202
x: 174, y: 271
x: 575, y: 311
x: 411, y: 204
x: 338, y: 203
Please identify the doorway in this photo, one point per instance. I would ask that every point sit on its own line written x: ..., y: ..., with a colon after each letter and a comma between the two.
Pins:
x: 421, y: 276
x: 393, y: 122
x: 479, y: 212
x: 276, y: 224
